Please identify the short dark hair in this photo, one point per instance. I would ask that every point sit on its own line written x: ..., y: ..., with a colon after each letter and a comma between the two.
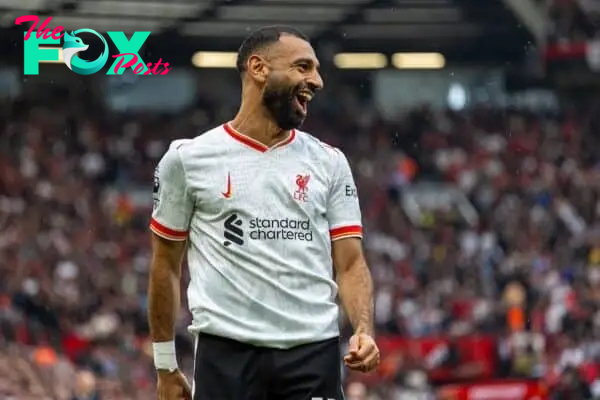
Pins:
x: 262, y: 38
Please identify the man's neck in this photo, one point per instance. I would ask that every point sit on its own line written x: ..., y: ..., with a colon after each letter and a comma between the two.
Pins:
x: 255, y: 124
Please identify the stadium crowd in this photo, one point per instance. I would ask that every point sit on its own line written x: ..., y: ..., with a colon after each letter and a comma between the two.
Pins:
x: 74, y: 243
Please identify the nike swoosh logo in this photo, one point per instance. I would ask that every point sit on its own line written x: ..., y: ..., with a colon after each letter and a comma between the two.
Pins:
x: 227, y: 194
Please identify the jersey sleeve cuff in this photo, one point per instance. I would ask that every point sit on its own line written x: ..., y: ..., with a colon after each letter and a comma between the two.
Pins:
x: 167, y: 233
x: 347, y: 231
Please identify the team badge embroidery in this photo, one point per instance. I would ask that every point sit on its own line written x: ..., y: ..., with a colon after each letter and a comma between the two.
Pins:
x: 301, y: 193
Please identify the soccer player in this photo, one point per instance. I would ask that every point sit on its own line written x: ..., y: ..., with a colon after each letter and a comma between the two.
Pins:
x: 271, y: 221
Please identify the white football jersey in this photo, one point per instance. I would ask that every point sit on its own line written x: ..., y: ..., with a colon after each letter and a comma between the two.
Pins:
x: 260, y: 223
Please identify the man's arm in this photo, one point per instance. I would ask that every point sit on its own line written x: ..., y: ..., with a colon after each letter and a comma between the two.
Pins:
x: 352, y: 274
x: 170, y: 224
x: 355, y: 283
x: 163, y: 305
x: 164, y: 295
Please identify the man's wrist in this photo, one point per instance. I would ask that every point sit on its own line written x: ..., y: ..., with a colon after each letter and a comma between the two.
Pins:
x: 364, y: 329
x: 165, y: 358
x: 166, y: 372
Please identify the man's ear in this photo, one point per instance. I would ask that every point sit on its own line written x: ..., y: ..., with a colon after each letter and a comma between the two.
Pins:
x: 258, y: 68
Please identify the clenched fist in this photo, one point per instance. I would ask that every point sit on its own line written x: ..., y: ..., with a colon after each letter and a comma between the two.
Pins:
x: 363, y: 353
x: 173, y: 386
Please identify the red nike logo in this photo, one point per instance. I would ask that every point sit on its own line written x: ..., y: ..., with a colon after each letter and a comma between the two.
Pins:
x: 227, y: 194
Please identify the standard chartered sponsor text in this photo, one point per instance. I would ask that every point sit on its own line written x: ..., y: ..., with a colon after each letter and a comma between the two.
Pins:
x: 280, y: 229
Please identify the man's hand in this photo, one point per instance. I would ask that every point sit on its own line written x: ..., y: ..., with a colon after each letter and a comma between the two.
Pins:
x: 173, y: 386
x: 363, y: 354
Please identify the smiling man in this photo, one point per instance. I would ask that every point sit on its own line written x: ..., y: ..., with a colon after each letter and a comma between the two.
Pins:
x: 272, y: 225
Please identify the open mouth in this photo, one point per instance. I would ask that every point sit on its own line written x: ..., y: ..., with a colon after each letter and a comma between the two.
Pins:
x: 302, y: 99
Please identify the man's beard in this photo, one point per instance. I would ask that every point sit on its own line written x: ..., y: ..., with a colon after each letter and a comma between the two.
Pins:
x: 279, y: 101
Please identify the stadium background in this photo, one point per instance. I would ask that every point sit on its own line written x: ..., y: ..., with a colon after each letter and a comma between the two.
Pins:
x: 477, y: 169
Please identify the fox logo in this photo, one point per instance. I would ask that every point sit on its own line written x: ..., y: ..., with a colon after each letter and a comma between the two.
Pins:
x: 72, y: 46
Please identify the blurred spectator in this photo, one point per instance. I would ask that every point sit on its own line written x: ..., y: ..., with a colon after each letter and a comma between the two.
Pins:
x: 85, y: 387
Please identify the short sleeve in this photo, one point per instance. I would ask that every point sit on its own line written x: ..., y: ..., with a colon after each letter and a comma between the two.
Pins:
x: 343, y: 208
x: 173, y: 206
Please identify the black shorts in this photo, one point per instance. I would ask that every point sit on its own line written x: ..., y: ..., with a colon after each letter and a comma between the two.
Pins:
x: 230, y: 370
